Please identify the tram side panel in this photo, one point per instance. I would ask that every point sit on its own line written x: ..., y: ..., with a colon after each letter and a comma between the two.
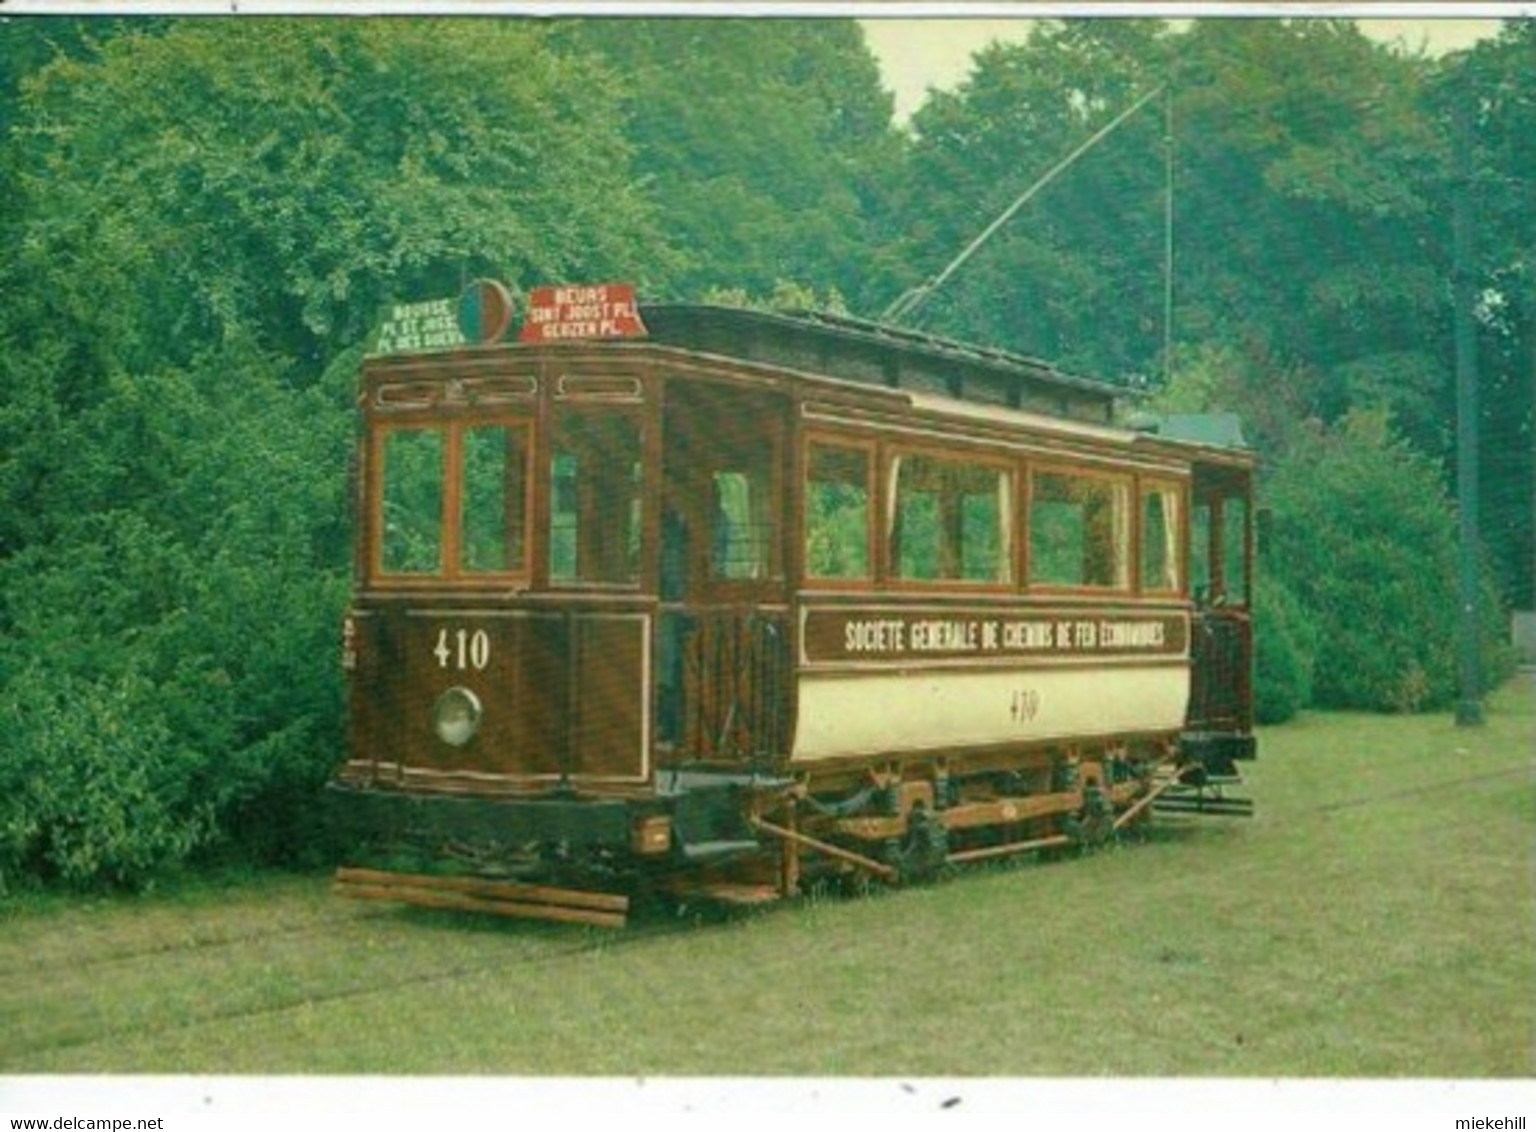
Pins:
x: 910, y: 681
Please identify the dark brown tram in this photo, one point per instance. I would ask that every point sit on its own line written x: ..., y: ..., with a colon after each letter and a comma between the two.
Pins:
x: 754, y: 599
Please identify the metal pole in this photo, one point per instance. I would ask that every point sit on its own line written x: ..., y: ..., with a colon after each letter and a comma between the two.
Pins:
x: 908, y: 303
x: 1469, y: 707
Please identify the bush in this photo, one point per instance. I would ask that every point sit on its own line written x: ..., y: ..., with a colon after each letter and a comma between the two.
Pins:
x: 169, y: 683
x: 1285, y: 646
x: 93, y: 785
x: 1365, y: 537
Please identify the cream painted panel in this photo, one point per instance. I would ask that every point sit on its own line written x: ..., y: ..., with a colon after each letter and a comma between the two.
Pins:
x: 868, y: 714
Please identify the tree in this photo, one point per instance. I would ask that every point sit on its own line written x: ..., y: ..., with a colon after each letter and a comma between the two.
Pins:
x: 1364, y: 537
x: 207, y: 221
x: 1304, y: 182
x: 31, y: 43
x: 282, y: 180
x: 767, y: 145
x: 1285, y: 652
x: 1312, y: 261
x: 1075, y: 277
x: 1496, y: 85
x: 147, y: 709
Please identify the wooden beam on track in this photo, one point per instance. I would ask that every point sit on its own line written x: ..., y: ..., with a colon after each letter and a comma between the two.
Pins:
x: 475, y: 894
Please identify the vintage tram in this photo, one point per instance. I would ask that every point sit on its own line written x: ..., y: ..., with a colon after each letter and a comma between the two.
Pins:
x: 721, y: 601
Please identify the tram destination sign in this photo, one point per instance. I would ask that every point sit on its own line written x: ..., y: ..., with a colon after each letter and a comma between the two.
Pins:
x: 565, y: 314
x: 845, y: 636
x: 480, y: 315
x: 410, y: 328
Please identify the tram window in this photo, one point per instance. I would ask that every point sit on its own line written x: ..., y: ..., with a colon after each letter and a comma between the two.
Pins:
x: 1234, y: 522
x: 950, y: 521
x: 594, y: 521
x: 1160, y: 537
x: 1079, y: 531
x: 412, y: 502
x: 494, y: 500
x: 1200, y: 551
x: 837, y: 511
x: 743, y: 527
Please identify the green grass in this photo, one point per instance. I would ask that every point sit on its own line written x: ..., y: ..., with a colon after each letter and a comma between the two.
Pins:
x: 1375, y: 920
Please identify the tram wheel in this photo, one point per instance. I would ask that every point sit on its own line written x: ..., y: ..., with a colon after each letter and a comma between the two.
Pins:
x: 1094, y: 824
x: 923, y: 850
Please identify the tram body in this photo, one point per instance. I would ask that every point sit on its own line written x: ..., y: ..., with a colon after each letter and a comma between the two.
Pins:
x: 758, y: 598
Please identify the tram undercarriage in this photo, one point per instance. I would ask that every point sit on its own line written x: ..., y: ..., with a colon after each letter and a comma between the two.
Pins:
x: 746, y: 839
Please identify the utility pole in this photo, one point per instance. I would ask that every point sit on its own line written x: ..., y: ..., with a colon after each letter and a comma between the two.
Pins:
x: 1469, y: 706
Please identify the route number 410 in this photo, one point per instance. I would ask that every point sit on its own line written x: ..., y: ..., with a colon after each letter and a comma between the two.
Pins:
x: 463, y: 650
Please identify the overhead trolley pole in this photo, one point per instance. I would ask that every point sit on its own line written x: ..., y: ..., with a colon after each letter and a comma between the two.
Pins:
x: 909, y: 303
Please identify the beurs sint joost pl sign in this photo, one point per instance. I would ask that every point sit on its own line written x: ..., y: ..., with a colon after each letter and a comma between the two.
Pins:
x: 483, y: 314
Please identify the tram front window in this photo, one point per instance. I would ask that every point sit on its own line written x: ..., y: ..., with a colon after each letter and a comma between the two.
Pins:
x: 493, y: 501
x: 426, y: 470
x: 594, y: 507
x: 412, y: 502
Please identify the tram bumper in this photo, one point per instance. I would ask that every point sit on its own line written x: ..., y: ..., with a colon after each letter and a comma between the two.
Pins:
x: 1218, y: 752
x: 1209, y: 774
x: 551, y: 820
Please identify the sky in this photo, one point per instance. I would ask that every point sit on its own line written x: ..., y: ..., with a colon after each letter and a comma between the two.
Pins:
x: 916, y: 54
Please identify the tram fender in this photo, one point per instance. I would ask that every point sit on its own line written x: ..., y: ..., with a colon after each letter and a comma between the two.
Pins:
x: 577, y: 823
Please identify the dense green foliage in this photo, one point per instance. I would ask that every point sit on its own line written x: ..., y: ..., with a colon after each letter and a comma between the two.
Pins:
x: 218, y: 211
x: 1364, y: 537
x: 1285, y: 651
x: 784, y: 170
x: 204, y: 218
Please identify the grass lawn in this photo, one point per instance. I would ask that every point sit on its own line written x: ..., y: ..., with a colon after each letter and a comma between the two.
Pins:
x: 1376, y: 919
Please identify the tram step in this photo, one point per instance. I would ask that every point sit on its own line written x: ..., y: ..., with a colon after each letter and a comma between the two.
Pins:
x: 701, y: 852
x: 726, y: 892
x: 1195, y: 804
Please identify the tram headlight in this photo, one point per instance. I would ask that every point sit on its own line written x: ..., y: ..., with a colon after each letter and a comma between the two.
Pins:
x: 456, y: 716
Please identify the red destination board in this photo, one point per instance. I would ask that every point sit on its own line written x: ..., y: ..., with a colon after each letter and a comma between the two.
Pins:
x: 566, y: 314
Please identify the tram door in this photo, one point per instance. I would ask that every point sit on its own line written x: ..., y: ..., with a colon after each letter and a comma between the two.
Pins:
x: 722, y: 645
x: 1221, y: 561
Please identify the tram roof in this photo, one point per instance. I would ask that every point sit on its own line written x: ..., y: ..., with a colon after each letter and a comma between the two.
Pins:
x: 867, y: 352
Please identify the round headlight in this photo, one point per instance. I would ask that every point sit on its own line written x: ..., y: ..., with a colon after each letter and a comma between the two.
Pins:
x: 456, y: 717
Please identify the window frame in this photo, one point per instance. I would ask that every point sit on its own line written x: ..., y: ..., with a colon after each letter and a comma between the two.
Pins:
x: 1146, y: 486
x: 1214, y: 490
x: 451, y: 570
x: 1237, y: 564
x: 888, y: 501
x: 1126, y: 563
x: 869, y: 448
